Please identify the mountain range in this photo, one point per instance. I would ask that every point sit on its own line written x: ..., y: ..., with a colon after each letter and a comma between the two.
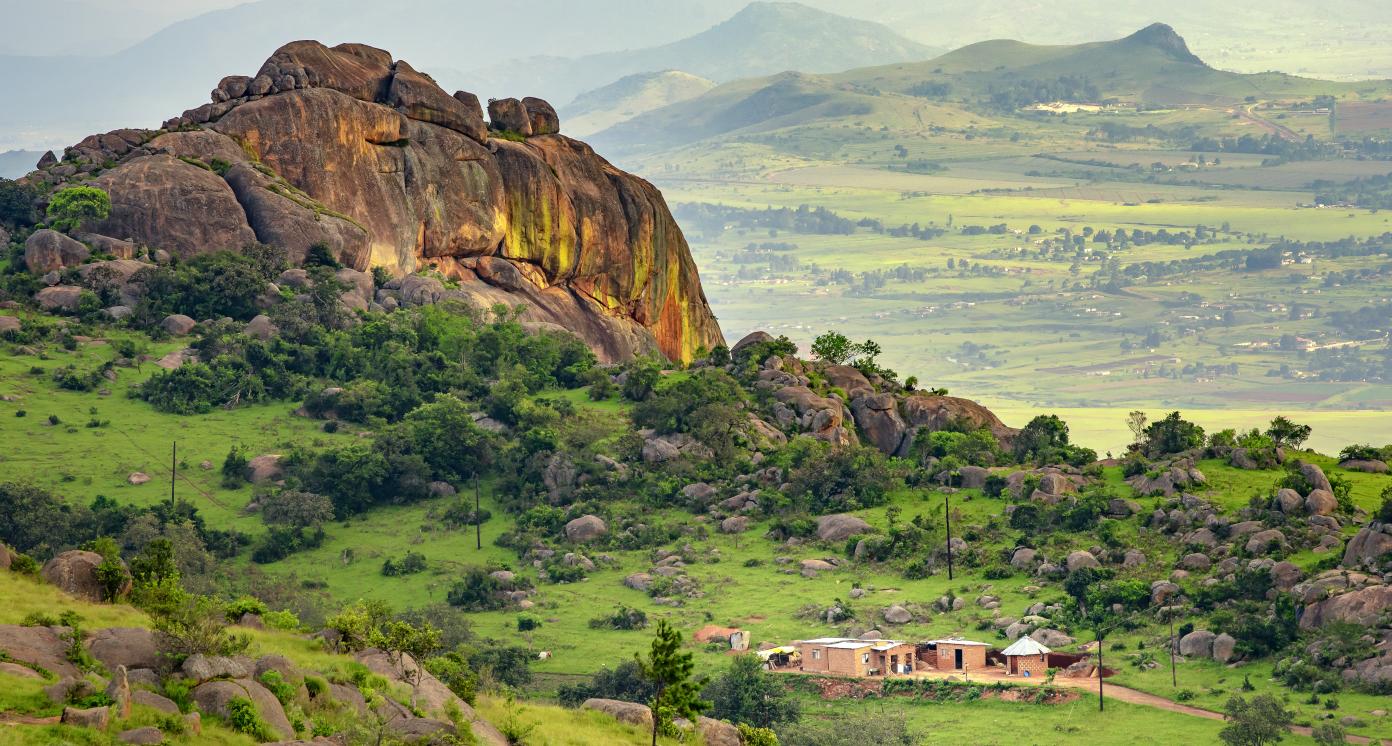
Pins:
x: 1153, y: 66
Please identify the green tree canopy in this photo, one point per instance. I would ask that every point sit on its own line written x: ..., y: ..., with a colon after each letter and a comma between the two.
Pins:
x: 670, y: 669
x: 70, y: 208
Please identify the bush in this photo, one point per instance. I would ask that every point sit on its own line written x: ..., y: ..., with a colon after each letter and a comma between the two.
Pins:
x: 243, y: 718
x: 623, y: 682
x: 454, y: 672
x: 243, y: 606
x: 624, y: 618
x: 197, y: 626
x: 69, y: 208
x: 411, y: 564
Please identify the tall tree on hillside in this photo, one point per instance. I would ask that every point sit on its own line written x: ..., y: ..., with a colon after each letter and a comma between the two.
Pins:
x: 1259, y: 721
x: 669, y: 669
x: 1286, y: 433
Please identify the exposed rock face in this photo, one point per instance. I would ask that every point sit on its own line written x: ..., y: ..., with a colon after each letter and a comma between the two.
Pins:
x: 347, y: 147
x: 75, y: 572
x: 47, y: 250
x: 840, y: 526
x: 937, y: 412
x: 1365, y: 606
x: 1369, y: 547
x: 625, y: 712
x: 215, y: 697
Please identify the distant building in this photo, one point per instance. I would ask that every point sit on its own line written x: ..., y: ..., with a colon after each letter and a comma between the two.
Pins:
x: 852, y: 657
x: 955, y: 654
x: 1026, y: 657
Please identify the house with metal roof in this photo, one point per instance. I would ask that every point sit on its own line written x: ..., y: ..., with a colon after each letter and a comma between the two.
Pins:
x: 1026, y: 657
x: 853, y: 657
x: 954, y: 654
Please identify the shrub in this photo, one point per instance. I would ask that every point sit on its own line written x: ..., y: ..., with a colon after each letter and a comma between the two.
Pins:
x: 69, y: 208
x: 243, y: 606
x: 411, y: 564
x: 623, y: 618
x: 243, y: 718
x: 197, y: 626
x: 454, y: 672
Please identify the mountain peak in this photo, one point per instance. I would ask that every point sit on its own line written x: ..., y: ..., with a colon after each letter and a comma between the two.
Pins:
x: 1162, y: 36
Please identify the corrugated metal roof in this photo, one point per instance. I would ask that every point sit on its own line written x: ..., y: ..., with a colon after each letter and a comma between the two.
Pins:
x: 1026, y: 646
x: 959, y: 641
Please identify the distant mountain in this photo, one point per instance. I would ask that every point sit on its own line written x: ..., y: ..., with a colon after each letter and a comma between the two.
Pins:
x: 16, y: 163
x: 56, y: 100
x: 1152, y: 66
x: 628, y: 97
x: 763, y: 38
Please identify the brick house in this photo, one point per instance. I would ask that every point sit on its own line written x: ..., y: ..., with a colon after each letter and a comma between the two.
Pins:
x: 954, y: 654
x: 1026, y: 657
x: 852, y: 657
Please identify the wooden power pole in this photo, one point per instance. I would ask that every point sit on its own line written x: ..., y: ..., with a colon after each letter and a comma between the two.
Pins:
x: 478, y: 516
x: 173, y: 471
x: 947, y: 515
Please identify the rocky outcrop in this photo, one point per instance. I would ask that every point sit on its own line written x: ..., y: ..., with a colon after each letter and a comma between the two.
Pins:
x: 1364, y: 606
x: 625, y: 712
x: 344, y: 146
x: 48, y: 250
x: 1370, y: 547
x: 75, y: 572
x: 215, y: 698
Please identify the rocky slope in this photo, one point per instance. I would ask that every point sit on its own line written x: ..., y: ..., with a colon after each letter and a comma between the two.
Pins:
x: 346, y: 147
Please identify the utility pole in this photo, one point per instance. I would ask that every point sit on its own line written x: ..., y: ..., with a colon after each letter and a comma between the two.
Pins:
x: 478, y: 516
x: 173, y: 470
x: 1174, y: 677
x: 1100, y: 670
x: 947, y: 514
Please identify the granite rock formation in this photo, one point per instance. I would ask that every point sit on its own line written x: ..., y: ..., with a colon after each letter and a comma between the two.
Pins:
x: 346, y: 147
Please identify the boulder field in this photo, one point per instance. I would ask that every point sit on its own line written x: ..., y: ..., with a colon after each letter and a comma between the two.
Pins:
x: 346, y: 147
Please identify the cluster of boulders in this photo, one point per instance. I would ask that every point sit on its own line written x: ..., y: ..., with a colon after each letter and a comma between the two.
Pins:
x: 666, y: 581
x: 1168, y: 479
x: 825, y: 400
x: 712, y: 732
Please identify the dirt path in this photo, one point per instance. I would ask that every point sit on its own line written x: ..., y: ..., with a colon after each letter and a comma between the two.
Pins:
x: 1118, y: 693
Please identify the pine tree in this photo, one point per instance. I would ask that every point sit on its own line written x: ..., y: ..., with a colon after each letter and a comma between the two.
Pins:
x: 667, y: 667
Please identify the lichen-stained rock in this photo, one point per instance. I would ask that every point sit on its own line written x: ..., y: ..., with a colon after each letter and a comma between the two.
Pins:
x: 509, y: 115
x: 173, y: 205
x: 346, y: 147
x: 938, y: 412
x: 877, y: 417
x: 541, y: 116
x: 47, y: 250
x: 417, y: 96
x: 1364, y: 607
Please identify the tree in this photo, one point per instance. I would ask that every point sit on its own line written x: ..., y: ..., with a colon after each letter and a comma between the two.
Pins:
x: 444, y: 434
x: 1256, y: 722
x: 833, y: 347
x: 71, y: 207
x: 669, y: 669
x: 1286, y: 433
x: 1136, y: 421
x: 641, y: 380
x: 400, y: 639
x: 16, y: 204
x: 746, y: 693
x: 296, y: 509
x: 1329, y: 734
x: 1174, y: 434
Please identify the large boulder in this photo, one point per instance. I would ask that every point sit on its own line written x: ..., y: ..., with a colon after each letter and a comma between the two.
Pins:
x: 1051, y: 638
x: 541, y: 116
x: 417, y: 96
x: 1080, y: 559
x: 75, y: 573
x: 264, y: 469
x: 624, y: 712
x: 1315, y: 477
x: 1224, y: 647
x: 1262, y: 542
x: 877, y: 417
x: 1197, y: 644
x: 59, y: 297
x: 1365, y: 606
x: 941, y: 412
x: 585, y: 528
x: 199, y: 667
x: 1024, y: 558
x: 509, y: 115
x: 1368, y: 466
x: 1370, y: 547
x: 897, y: 615
x: 47, y: 250
x: 1321, y: 502
x: 215, y: 698
x: 848, y: 379
x: 840, y: 526
x: 717, y: 732
x: 96, y: 718
x: 132, y: 647
x: 43, y: 647
x: 178, y: 324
